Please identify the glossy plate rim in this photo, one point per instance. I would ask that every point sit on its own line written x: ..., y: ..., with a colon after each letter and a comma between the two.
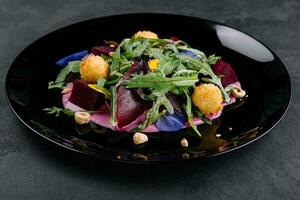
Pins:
x: 100, y: 156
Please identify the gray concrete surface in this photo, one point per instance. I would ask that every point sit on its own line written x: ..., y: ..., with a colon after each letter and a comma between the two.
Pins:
x: 31, y: 168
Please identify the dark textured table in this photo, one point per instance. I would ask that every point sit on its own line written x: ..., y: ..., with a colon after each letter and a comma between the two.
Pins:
x: 31, y: 168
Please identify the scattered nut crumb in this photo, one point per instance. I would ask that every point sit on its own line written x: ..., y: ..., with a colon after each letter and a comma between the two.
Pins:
x: 82, y: 117
x: 140, y: 138
x: 238, y: 92
x: 184, y: 142
x: 66, y: 90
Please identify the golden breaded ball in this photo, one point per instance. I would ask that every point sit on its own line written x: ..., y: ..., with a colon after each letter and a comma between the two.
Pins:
x: 92, y: 68
x: 146, y: 34
x: 208, y: 98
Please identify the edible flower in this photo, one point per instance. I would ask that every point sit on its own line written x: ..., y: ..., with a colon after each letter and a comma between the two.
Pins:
x: 93, y: 86
x: 170, y: 122
x: 75, y: 56
x: 153, y: 64
x: 189, y: 53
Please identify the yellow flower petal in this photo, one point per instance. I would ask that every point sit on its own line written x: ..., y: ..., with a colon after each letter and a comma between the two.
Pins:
x: 153, y: 64
x: 93, y: 86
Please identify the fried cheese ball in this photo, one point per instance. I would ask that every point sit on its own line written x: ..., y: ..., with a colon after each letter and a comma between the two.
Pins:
x: 208, y: 98
x: 92, y: 68
x: 146, y: 34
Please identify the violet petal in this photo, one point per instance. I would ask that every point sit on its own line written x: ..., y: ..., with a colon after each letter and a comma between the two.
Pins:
x: 170, y: 122
x: 75, y: 56
x: 189, y: 53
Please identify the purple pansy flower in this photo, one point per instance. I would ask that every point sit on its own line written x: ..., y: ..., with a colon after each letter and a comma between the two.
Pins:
x: 75, y: 56
x: 189, y: 53
x: 170, y: 122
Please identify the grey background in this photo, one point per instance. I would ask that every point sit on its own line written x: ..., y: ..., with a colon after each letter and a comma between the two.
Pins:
x: 31, y: 168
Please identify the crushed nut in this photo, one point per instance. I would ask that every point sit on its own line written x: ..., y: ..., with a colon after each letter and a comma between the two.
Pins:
x: 82, y: 117
x: 184, y: 142
x: 238, y: 92
x: 140, y: 138
x: 66, y: 90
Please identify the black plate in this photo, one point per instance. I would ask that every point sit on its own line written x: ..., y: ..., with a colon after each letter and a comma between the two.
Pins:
x: 260, y: 71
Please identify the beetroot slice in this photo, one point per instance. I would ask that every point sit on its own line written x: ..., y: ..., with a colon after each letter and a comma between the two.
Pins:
x: 129, y: 106
x: 105, y: 50
x: 86, y: 97
x: 223, y: 69
x: 139, y: 66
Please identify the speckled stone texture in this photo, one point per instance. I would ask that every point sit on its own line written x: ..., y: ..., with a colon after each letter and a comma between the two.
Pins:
x: 31, y: 168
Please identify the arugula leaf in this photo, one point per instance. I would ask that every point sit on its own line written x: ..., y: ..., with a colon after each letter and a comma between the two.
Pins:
x: 212, y: 59
x: 205, y: 69
x: 100, y: 85
x: 113, y: 106
x: 73, y: 66
x: 52, y: 85
x: 115, y: 61
x: 188, y: 110
x: 153, y: 114
x: 202, y: 117
x: 135, y: 47
x: 101, y: 82
x: 57, y: 111
x: 158, y: 82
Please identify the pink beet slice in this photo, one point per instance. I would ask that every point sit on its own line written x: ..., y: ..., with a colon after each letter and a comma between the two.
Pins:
x: 223, y: 69
x: 86, y: 97
x: 129, y: 106
x: 105, y: 50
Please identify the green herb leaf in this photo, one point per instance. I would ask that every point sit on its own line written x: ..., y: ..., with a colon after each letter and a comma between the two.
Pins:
x: 204, y: 68
x: 101, y: 82
x: 158, y: 82
x: 115, y: 61
x: 52, y: 85
x: 113, y: 106
x: 57, y: 111
x: 100, y: 85
x: 212, y: 59
x: 153, y: 114
x: 135, y: 47
x: 188, y: 110
x: 73, y: 66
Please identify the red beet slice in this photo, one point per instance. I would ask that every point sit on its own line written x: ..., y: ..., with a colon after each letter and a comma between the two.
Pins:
x: 129, y: 106
x: 105, y: 50
x: 139, y: 66
x: 86, y: 97
x: 223, y: 69
x: 174, y: 38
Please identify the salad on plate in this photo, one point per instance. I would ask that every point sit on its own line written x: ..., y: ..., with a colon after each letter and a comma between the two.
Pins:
x: 145, y: 84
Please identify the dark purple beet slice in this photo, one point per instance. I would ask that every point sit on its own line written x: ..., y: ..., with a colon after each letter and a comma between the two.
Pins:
x: 174, y: 100
x: 129, y: 106
x: 105, y: 50
x: 139, y: 66
x: 223, y: 69
x: 86, y: 97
